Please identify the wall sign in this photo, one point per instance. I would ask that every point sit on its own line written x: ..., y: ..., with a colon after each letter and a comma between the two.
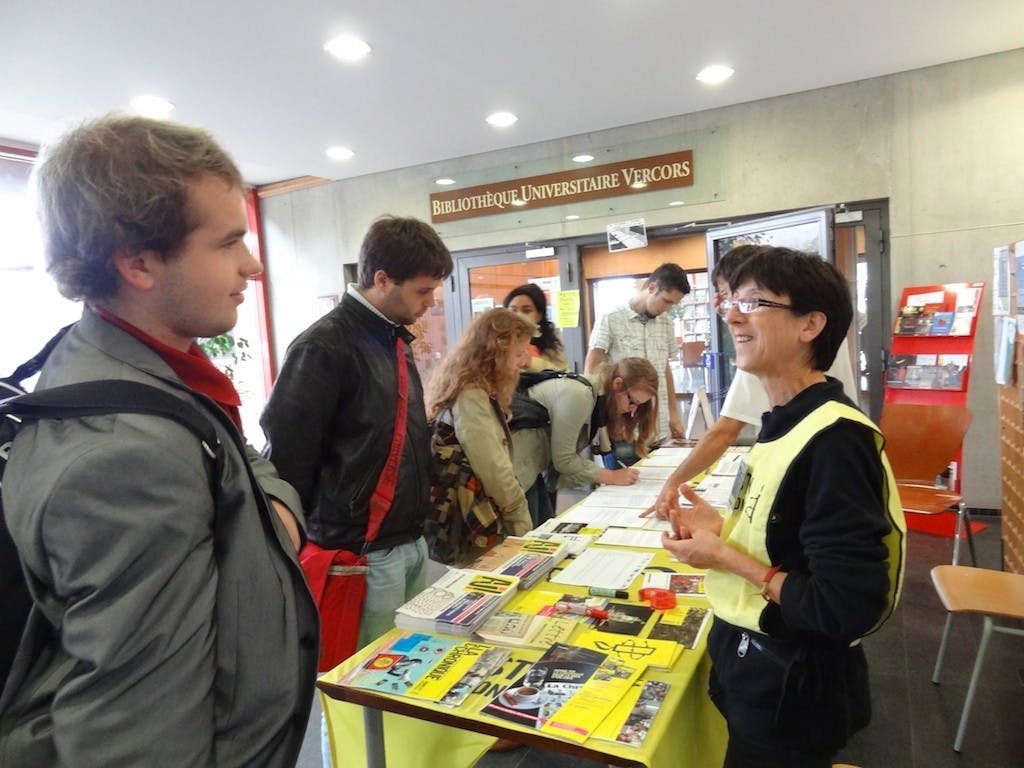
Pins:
x: 628, y: 177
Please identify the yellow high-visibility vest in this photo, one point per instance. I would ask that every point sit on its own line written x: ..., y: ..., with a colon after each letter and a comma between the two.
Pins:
x: 735, y: 599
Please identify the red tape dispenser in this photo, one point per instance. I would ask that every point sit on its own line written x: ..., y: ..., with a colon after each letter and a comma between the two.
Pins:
x: 658, y: 598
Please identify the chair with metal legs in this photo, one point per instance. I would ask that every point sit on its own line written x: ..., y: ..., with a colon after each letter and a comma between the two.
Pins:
x: 992, y: 594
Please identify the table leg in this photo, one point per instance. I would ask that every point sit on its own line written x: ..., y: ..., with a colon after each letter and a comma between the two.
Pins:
x: 373, y: 729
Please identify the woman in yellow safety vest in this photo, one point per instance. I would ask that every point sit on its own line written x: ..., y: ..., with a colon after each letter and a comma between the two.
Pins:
x: 810, y: 558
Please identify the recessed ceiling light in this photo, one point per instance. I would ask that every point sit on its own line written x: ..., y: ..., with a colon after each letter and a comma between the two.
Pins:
x: 501, y: 119
x: 445, y: 182
x: 518, y: 201
x: 677, y: 202
x: 571, y: 217
x: 347, y: 47
x: 584, y: 158
x: 638, y: 184
x: 715, y: 74
x: 340, y: 153
x: 152, y: 106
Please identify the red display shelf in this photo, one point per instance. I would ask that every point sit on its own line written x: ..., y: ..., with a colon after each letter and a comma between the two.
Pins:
x: 934, y: 368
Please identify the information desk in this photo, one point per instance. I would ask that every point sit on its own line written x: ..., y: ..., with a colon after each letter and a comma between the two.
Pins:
x: 374, y: 729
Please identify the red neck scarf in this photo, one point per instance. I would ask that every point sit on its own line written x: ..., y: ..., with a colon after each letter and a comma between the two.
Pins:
x: 193, y: 368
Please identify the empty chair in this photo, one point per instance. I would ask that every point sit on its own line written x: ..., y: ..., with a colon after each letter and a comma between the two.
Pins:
x: 920, y: 441
x: 985, y: 592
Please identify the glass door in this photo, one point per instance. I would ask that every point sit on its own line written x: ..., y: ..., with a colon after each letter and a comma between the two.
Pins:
x: 482, y: 279
x: 809, y: 230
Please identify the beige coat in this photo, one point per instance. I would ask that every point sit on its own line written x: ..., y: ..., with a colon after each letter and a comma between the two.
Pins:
x: 488, y: 446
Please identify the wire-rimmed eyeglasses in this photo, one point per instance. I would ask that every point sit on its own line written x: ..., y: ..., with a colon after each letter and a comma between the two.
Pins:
x: 746, y: 306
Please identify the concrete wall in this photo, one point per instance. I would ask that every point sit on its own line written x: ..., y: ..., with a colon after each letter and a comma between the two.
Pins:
x: 942, y: 144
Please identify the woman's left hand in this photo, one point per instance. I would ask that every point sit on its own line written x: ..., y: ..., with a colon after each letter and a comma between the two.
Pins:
x: 700, y: 547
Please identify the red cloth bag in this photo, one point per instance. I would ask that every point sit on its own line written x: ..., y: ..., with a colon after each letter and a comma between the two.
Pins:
x: 337, y: 577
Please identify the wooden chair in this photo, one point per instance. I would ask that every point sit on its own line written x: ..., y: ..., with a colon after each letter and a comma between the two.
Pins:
x: 983, y: 591
x: 920, y: 441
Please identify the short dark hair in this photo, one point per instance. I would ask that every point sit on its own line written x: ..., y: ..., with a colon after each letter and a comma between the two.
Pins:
x: 120, y: 182
x: 727, y: 262
x: 669, y: 277
x: 811, y: 284
x: 403, y: 247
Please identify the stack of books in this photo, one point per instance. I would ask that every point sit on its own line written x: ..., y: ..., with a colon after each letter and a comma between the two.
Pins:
x: 457, y: 603
x: 528, y: 559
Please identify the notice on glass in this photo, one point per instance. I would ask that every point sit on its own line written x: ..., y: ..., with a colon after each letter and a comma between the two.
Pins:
x: 568, y: 309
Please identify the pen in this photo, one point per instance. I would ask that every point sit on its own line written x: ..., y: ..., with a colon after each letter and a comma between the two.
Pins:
x: 578, y: 609
x: 621, y: 465
x: 621, y: 594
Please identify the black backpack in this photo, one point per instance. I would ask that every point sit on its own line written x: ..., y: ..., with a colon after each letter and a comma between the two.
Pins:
x: 527, y: 413
x: 88, y: 398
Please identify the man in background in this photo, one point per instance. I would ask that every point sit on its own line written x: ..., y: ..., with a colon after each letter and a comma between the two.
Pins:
x: 331, y: 417
x: 174, y: 623
x: 642, y: 328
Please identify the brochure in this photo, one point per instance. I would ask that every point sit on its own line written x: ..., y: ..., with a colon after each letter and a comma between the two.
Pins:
x: 682, y: 625
x: 526, y: 629
x: 631, y: 719
x: 566, y: 693
x: 397, y: 665
x: 458, y: 672
x: 680, y: 583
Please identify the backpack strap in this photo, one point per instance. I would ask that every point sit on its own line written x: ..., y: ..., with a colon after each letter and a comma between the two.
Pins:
x: 33, y: 365
x: 93, y: 398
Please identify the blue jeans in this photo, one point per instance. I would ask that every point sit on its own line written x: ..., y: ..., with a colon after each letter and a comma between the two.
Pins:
x: 540, y: 502
x: 395, y: 576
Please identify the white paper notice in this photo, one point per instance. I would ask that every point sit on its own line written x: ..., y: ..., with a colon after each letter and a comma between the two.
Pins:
x: 608, y: 568
x: 631, y: 537
x: 602, y: 517
x: 665, y: 457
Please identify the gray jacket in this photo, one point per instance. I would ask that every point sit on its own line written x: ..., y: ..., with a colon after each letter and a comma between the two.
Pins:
x: 186, y: 634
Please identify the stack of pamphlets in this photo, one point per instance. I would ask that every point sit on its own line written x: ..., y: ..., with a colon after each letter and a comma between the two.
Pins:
x: 530, y: 560
x: 566, y: 693
x: 457, y: 603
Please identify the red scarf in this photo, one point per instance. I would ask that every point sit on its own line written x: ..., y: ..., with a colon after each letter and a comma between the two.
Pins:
x: 193, y: 368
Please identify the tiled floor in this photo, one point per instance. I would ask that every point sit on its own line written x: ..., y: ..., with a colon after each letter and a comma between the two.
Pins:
x: 914, y: 721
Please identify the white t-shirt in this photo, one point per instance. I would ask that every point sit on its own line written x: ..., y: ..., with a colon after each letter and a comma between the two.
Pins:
x: 746, y: 399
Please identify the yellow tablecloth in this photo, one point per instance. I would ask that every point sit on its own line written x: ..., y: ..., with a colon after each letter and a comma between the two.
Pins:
x: 687, y: 733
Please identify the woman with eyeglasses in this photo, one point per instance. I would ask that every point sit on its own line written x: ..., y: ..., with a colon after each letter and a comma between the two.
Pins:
x: 810, y: 558
x: 618, y: 402
x: 745, y: 399
x: 546, y: 351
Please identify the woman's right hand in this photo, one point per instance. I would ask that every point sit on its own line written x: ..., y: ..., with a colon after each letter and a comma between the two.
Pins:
x: 623, y: 476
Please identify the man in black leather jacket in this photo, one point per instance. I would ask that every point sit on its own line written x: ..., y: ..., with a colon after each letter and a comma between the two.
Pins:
x: 331, y: 415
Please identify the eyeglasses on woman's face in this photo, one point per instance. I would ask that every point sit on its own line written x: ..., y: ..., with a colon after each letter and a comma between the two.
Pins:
x: 634, y: 402
x: 748, y: 305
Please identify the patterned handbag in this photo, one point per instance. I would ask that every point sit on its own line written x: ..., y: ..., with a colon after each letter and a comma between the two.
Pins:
x: 462, y: 519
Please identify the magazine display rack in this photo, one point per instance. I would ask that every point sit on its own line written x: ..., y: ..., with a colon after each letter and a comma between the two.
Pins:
x: 932, y: 347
